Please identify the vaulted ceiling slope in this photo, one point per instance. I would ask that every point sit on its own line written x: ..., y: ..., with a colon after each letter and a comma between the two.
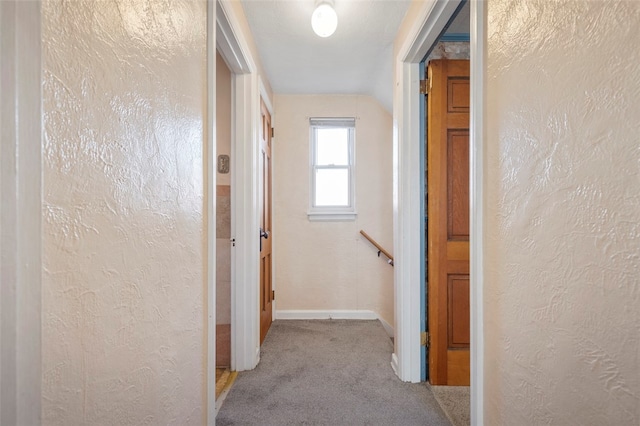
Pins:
x: 356, y: 59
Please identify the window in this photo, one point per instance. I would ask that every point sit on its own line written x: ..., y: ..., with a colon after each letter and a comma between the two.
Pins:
x: 332, y: 169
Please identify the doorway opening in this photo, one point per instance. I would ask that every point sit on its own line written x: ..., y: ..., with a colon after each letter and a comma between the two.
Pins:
x: 444, y: 118
x: 223, y: 222
x: 428, y: 25
x: 239, y: 189
x: 266, y: 231
x: 236, y: 200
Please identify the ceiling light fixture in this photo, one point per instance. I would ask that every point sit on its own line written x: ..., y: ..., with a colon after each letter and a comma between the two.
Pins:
x: 324, y: 20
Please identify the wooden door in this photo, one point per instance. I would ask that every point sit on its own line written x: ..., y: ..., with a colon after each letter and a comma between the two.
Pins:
x: 448, y: 221
x: 265, y: 236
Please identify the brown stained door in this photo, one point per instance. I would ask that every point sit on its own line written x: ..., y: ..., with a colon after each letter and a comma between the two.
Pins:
x: 265, y: 237
x: 448, y: 216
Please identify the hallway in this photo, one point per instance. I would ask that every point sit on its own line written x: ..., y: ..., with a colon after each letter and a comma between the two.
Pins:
x: 108, y: 171
x: 333, y: 372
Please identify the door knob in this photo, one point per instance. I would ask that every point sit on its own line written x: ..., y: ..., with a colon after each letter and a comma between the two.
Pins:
x: 263, y: 234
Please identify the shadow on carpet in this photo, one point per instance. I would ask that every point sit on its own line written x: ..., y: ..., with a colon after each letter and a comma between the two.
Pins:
x: 327, y: 372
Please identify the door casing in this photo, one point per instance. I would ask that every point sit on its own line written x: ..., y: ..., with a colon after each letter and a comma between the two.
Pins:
x: 406, y: 360
x: 247, y: 88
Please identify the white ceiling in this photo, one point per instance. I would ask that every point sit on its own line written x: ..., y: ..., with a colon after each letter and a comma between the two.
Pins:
x: 356, y: 59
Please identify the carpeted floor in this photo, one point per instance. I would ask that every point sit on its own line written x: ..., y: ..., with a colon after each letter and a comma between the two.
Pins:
x: 455, y: 401
x: 333, y: 372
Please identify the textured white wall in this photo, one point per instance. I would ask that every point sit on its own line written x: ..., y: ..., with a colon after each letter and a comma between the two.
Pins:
x: 328, y: 265
x: 123, y: 101
x: 562, y: 289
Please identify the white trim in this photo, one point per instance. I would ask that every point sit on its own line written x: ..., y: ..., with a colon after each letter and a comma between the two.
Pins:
x: 227, y: 43
x: 311, y: 314
x: 267, y: 99
x: 20, y: 212
x: 478, y: 19
x: 245, y: 322
x: 407, y: 193
x: 434, y: 16
x: 354, y: 314
x: 387, y: 327
x: 337, y: 212
x: 209, y: 149
x: 394, y: 363
x: 329, y: 216
x: 245, y: 325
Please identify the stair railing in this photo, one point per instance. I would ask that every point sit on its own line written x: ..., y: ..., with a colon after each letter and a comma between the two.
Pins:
x: 379, y: 247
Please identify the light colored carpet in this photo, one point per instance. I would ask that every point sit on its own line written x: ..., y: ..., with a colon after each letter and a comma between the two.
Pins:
x: 327, y: 372
x: 455, y: 401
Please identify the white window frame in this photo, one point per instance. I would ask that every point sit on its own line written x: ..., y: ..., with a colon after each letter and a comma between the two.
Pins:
x: 332, y: 213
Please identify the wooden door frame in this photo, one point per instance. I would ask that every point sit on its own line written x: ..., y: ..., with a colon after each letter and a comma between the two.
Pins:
x: 265, y: 167
x: 264, y: 96
x: 407, y: 192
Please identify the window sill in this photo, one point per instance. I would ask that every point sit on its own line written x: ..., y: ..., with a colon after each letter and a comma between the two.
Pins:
x: 338, y: 216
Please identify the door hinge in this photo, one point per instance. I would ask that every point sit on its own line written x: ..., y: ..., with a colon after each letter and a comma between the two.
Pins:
x: 273, y: 132
x: 425, y: 339
x: 273, y: 295
x: 425, y: 86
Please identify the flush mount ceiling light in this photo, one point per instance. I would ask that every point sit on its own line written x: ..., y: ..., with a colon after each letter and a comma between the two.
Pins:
x: 324, y: 20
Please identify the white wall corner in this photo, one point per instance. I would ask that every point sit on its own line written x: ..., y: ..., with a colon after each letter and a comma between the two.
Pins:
x: 478, y: 13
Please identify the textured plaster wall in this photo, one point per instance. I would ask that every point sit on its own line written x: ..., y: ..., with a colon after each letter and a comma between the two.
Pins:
x: 122, y: 315
x: 328, y: 265
x: 562, y: 289
x: 562, y: 211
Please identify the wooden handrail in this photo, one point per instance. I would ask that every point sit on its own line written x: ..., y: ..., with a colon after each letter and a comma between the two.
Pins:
x: 379, y: 247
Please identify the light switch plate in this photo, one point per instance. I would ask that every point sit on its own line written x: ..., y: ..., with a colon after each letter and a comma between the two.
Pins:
x: 223, y: 164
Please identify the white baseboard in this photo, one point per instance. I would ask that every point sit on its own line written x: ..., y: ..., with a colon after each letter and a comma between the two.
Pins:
x: 394, y: 363
x: 329, y: 314
x: 333, y: 314
x: 387, y: 327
